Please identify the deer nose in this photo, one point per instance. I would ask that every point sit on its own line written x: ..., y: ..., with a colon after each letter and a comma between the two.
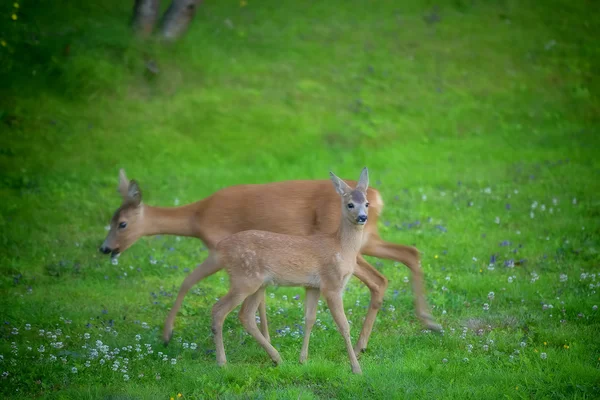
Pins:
x: 105, y: 250
x: 362, y: 219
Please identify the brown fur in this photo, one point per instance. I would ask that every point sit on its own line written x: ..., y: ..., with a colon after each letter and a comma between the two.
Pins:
x: 321, y: 263
x: 301, y: 207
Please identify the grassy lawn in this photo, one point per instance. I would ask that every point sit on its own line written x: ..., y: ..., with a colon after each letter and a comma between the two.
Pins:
x: 479, y: 122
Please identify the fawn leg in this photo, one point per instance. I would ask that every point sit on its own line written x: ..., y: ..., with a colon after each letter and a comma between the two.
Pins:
x: 408, y: 256
x: 310, y: 315
x: 207, y: 268
x: 262, y: 311
x: 220, y: 310
x: 336, y: 306
x: 377, y: 284
x: 247, y: 316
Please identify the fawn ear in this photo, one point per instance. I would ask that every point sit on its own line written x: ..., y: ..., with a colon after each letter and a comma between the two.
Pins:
x: 123, y: 184
x: 134, y: 193
x: 363, y: 181
x: 340, y: 186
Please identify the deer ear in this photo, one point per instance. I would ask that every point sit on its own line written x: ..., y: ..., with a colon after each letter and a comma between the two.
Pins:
x: 134, y: 193
x: 123, y: 184
x: 363, y: 181
x: 340, y: 186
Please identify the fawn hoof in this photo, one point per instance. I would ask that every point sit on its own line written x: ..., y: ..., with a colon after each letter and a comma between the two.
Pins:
x: 276, y: 360
x: 357, y: 370
x: 302, y: 358
x: 221, y: 363
x: 167, y: 336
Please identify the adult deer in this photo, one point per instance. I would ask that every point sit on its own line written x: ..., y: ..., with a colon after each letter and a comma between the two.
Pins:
x: 302, y: 208
x: 321, y: 263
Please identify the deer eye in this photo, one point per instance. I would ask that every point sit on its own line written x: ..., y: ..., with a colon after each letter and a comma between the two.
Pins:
x: 122, y: 225
x: 350, y: 205
x: 367, y: 205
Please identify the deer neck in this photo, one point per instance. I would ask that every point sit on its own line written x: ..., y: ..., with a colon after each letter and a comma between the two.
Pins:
x: 350, y: 237
x: 169, y: 220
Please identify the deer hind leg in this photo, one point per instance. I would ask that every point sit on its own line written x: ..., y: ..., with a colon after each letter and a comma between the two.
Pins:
x: 336, y: 306
x: 310, y: 316
x: 377, y: 284
x: 262, y: 311
x: 207, y: 268
x: 408, y: 256
x: 247, y: 316
x: 220, y: 310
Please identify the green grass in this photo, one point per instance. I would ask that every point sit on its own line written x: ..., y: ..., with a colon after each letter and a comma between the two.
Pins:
x: 483, y: 126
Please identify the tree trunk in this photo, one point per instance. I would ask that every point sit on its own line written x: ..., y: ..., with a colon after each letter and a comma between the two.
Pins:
x: 145, y: 14
x: 178, y: 17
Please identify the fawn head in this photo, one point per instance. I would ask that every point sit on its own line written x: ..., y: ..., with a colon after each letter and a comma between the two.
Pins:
x: 355, y: 207
x: 126, y: 223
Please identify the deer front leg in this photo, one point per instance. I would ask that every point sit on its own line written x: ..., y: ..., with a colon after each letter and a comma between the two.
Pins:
x: 247, y: 317
x: 220, y: 310
x: 310, y: 316
x: 208, y: 267
x: 336, y: 306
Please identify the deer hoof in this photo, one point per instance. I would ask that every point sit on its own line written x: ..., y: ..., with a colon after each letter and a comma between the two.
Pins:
x: 356, y: 370
x: 276, y: 359
x: 167, y: 338
x: 434, y: 327
x: 430, y: 323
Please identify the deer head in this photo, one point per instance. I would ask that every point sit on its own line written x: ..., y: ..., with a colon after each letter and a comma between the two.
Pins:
x: 355, y: 207
x: 126, y: 223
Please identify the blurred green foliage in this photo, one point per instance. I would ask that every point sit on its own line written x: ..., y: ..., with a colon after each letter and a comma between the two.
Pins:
x: 467, y: 113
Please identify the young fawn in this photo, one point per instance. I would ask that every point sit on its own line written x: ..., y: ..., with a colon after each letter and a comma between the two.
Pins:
x: 322, y: 263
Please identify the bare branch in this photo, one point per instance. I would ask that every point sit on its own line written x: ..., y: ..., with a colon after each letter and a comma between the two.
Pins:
x: 145, y: 14
x: 178, y: 17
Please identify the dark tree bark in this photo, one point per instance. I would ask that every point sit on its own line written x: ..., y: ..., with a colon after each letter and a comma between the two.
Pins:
x: 178, y: 17
x: 145, y: 14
